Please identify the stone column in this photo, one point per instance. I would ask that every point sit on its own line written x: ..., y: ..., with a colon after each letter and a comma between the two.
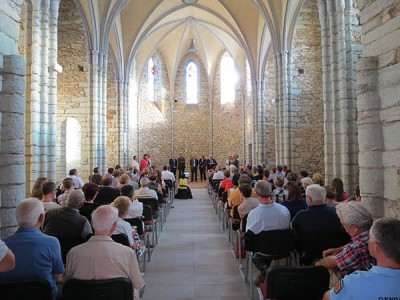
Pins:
x: 340, y: 49
x: 123, y: 128
x: 260, y: 123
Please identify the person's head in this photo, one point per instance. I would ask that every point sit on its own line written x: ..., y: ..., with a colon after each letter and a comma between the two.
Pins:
x: 144, y: 182
x: 330, y: 193
x: 279, y: 168
x: 337, y: 183
x: 153, y: 176
x: 384, y: 239
x: 116, y: 173
x: 121, y: 203
x: 96, y: 170
x: 245, y: 190
x: 227, y: 173
x: 305, y: 182
x: 90, y: 191
x: 96, y: 178
x: 266, y: 174
x: 128, y: 191
x: 124, y: 179
x: 37, y: 188
x: 244, y: 179
x: 135, y: 157
x: 165, y: 168
x: 72, y: 172
x: 262, y: 189
x: 291, y: 176
x: 110, y: 171
x: 357, y: 194
x: 315, y: 194
x: 104, y: 220
x: 75, y: 199
x: 278, y: 181
x: 303, y: 174
x: 107, y: 179
x: 117, y: 167
x: 318, y: 179
x: 354, y: 217
x: 294, y: 193
x: 235, y: 179
x: 49, y: 188
x: 67, y: 183
x: 30, y: 213
x: 260, y: 170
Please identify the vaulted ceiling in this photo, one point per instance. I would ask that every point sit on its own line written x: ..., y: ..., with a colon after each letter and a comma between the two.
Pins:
x: 134, y: 29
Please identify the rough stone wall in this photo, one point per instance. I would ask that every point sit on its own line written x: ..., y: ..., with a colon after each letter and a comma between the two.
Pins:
x: 155, y: 117
x: 192, y: 122
x: 248, y: 117
x: 12, y: 108
x: 73, y: 84
x: 270, y: 108
x: 378, y: 88
x: 112, y: 116
x: 133, y: 112
x: 308, y: 133
x: 228, y: 121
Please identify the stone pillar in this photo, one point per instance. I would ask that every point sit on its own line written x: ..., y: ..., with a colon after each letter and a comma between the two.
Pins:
x: 41, y: 81
x: 340, y: 49
x: 12, y: 109
x: 123, y: 130
x: 260, y: 123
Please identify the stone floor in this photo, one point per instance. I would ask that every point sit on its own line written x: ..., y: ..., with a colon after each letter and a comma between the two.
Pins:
x: 193, y: 259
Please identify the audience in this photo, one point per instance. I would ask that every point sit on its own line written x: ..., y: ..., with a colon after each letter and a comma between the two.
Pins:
x: 337, y: 184
x: 294, y: 202
x: 36, y: 255
x: 67, y: 188
x: 226, y: 184
x: 73, y: 174
x: 122, y: 203
x: 382, y: 280
x: 107, y: 193
x: 330, y: 196
x: 37, y: 188
x: 248, y: 202
x: 100, y: 257
x: 95, y: 172
x: 279, y: 194
x: 317, y: 178
x: 356, y: 220
x: 234, y: 198
x: 90, y: 191
x: 7, y: 259
x: 144, y: 191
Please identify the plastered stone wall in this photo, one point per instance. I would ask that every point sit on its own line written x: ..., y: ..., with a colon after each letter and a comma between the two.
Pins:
x: 154, y: 118
x: 378, y: 90
x: 112, y: 116
x: 308, y: 133
x: 248, y: 117
x: 270, y: 109
x: 73, y: 85
x: 12, y: 109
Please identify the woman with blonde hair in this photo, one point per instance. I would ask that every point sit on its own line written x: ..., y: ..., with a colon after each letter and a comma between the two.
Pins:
x: 318, y: 179
x: 37, y: 188
x: 123, y: 180
x: 123, y: 203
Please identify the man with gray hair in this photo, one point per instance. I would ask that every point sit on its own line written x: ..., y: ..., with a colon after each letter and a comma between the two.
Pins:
x: 36, y: 254
x: 357, y: 221
x: 382, y: 280
x: 144, y: 191
x: 100, y: 257
x: 67, y: 223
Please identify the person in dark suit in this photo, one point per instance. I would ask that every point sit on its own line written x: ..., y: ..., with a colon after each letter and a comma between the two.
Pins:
x: 173, y: 165
x: 107, y: 193
x: 211, y: 163
x: 181, y: 165
x: 202, y: 167
x: 194, y: 164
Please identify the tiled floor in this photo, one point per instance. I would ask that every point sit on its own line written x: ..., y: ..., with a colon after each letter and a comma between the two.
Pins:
x: 193, y: 259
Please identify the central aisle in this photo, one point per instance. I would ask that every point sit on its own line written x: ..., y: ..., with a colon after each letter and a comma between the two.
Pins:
x: 193, y: 259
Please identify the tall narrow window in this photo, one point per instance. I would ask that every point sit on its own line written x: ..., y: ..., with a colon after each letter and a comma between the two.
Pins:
x: 228, y: 79
x: 150, y: 80
x: 192, y: 85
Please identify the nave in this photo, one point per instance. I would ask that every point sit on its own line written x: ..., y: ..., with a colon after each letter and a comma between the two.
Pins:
x: 193, y: 259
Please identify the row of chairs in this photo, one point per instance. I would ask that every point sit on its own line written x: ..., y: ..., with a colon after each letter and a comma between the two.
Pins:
x: 294, y: 281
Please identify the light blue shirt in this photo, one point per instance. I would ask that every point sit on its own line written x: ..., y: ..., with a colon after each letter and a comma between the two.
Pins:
x: 376, y: 284
x: 266, y: 217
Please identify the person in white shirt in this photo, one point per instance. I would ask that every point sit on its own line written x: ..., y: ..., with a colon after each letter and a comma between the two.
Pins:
x: 7, y: 259
x: 167, y: 175
x: 248, y: 202
x: 49, y: 191
x: 218, y: 174
x: 135, y: 163
x: 78, y: 183
x: 67, y: 187
x: 144, y: 191
x: 122, y: 203
x: 136, y: 207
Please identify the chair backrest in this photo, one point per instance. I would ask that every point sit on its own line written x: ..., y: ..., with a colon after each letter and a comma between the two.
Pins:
x: 38, y: 289
x: 108, y: 289
x: 300, y: 283
x: 121, y: 238
x: 147, y: 213
x: 153, y: 203
x: 136, y: 222
x: 313, y: 243
x: 271, y: 242
x: 67, y: 243
x: 169, y: 183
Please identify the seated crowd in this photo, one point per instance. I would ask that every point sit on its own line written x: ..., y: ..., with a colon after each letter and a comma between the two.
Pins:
x: 331, y: 229
x: 69, y: 231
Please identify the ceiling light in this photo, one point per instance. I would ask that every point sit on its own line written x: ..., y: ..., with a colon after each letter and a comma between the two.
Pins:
x: 192, y: 47
x: 189, y: 2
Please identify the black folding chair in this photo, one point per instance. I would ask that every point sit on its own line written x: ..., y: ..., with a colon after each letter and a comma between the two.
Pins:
x: 300, y: 283
x: 38, y: 289
x: 121, y: 238
x: 108, y: 289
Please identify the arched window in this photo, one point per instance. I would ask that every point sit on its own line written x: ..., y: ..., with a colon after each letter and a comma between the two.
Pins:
x: 192, y: 84
x: 228, y: 79
x: 150, y: 80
